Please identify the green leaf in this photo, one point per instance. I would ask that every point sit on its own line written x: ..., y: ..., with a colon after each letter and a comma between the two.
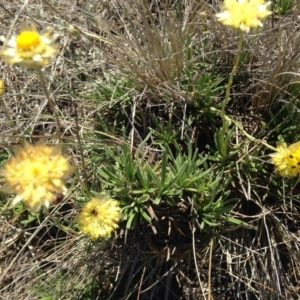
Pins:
x: 145, y: 215
x: 131, y: 220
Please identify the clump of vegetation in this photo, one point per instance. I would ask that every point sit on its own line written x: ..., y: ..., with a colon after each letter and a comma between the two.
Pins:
x: 158, y: 150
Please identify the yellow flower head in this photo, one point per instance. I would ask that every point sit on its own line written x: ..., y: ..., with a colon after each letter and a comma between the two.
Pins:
x: 99, y: 217
x: 244, y: 14
x: 35, y: 174
x: 287, y: 159
x: 29, y: 48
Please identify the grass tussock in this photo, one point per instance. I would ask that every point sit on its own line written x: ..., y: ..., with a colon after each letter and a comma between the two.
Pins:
x: 172, y: 116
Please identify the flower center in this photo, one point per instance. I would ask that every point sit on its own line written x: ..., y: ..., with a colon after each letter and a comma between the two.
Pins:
x: 34, y: 171
x: 27, y: 40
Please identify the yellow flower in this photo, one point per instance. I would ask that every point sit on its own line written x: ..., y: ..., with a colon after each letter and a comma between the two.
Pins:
x: 287, y: 159
x: 29, y: 48
x: 244, y: 14
x: 35, y: 174
x: 99, y: 217
x: 2, y: 87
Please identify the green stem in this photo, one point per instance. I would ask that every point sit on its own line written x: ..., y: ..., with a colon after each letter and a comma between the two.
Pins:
x: 245, y: 133
x: 250, y: 137
x: 227, y: 120
x: 233, y: 71
x: 51, y: 103
x: 60, y: 226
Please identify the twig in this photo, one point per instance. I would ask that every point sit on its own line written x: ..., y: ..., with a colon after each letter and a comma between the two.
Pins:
x: 209, y: 270
x: 195, y: 259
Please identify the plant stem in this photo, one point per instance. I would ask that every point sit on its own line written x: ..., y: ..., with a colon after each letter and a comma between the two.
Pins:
x: 250, y: 137
x: 245, y: 133
x: 51, y: 104
x: 60, y: 226
x: 227, y: 120
x: 233, y: 71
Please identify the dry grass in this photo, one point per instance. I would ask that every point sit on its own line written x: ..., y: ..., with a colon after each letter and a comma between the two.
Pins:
x: 124, y: 62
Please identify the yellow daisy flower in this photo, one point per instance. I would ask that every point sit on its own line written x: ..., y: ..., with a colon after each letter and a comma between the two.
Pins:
x: 287, y: 159
x: 35, y: 174
x: 244, y: 14
x: 99, y: 217
x: 29, y: 48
